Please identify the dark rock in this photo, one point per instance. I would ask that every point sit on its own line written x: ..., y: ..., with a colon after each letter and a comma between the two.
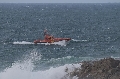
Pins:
x: 107, y: 68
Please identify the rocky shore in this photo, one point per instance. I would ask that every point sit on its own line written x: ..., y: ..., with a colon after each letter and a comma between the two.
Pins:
x: 107, y: 68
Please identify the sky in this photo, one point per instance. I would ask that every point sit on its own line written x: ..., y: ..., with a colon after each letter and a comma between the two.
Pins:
x: 59, y: 1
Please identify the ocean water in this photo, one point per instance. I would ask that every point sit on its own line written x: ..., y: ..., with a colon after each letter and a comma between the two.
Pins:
x: 93, y: 28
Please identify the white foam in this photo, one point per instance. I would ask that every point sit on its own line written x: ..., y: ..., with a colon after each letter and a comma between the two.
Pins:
x: 25, y: 71
x: 61, y: 43
x: 23, y: 42
x: 79, y: 40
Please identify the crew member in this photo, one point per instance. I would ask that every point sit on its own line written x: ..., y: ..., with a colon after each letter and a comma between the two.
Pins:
x: 48, y: 37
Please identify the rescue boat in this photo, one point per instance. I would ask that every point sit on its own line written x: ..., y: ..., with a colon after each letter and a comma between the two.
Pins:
x: 50, y: 39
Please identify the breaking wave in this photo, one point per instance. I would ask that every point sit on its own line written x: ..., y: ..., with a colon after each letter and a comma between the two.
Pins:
x: 25, y: 69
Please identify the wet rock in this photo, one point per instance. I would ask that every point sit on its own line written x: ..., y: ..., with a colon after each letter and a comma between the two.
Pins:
x: 107, y: 68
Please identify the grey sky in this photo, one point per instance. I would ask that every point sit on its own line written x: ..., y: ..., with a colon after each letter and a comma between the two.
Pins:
x: 59, y: 1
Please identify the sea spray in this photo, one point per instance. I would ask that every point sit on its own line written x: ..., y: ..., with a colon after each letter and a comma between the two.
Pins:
x: 25, y: 69
x: 19, y: 70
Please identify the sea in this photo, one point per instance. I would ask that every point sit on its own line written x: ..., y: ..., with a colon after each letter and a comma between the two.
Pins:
x: 94, y: 29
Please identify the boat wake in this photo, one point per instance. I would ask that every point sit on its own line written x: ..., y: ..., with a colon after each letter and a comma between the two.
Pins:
x: 23, y: 42
x: 61, y: 43
x: 79, y: 40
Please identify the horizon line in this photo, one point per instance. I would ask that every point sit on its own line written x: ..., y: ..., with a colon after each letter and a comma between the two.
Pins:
x: 57, y: 3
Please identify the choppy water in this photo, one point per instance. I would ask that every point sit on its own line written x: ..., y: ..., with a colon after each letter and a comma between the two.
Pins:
x: 94, y: 29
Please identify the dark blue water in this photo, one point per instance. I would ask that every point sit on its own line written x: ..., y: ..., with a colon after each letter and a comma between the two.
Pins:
x: 93, y: 28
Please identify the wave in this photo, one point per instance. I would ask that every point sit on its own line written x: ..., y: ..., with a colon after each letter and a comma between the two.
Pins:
x: 25, y: 69
x: 68, y: 60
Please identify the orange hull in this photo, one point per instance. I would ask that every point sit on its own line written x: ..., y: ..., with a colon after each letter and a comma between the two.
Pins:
x: 52, y: 41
